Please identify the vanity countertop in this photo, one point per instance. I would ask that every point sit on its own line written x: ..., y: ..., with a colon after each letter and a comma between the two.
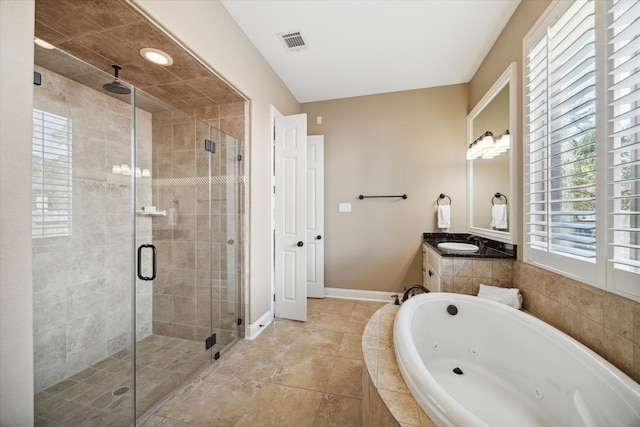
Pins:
x: 491, y: 249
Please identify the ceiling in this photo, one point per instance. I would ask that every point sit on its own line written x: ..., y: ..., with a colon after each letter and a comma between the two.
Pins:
x: 363, y: 47
x: 103, y: 33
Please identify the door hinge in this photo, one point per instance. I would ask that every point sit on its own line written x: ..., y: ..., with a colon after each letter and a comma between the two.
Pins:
x: 210, y: 146
x: 210, y: 342
x: 217, y: 355
x: 239, y: 157
x: 274, y: 297
x: 239, y: 321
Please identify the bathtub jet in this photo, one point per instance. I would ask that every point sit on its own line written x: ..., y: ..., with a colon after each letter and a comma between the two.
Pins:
x: 492, y: 365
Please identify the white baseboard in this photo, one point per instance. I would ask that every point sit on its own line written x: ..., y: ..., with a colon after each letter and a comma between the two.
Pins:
x: 358, y: 294
x: 253, y: 330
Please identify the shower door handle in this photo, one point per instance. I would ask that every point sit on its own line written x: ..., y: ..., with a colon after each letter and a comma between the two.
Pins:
x: 153, y: 263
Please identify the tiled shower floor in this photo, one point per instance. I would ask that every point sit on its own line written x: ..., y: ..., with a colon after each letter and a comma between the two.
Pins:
x: 294, y: 374
x: 88, y: 399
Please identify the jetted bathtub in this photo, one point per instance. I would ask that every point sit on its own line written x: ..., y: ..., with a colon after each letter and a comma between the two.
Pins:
x: 475, y: 362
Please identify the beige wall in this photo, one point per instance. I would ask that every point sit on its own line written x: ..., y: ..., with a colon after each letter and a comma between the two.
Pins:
x: 16, y: 312
x: 211, y: 34
x: 409, y: 142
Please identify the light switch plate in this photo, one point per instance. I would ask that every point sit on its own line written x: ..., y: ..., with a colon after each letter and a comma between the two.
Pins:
x: 344, y: 207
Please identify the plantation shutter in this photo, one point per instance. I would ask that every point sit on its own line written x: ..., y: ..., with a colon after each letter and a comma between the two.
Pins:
x: 624, y: 135
x: 537, y: 140
x: 51, y: 175
x: 561, y: 101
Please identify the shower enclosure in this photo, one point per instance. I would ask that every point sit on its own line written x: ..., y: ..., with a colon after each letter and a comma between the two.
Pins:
x: 137, y: 245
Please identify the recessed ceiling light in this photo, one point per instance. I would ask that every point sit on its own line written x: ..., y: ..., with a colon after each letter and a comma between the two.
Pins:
x: 43, y: 44
x: 156, y: 56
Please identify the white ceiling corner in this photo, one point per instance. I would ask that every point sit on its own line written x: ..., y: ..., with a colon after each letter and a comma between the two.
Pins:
x: 364, y: 47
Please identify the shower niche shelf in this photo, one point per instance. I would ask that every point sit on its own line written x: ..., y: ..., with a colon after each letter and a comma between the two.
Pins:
x: 151, y: 213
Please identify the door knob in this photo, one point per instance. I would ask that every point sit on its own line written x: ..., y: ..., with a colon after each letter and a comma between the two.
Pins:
x: 300, y: 243
x: 319, y: 237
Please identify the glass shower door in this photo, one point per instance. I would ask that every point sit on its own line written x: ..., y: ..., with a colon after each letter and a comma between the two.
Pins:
x: 226, y: 211
x: 173, y: 291
x: 227, y: 189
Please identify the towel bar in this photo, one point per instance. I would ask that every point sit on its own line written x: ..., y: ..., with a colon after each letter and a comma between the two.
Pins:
x: 404, y: 196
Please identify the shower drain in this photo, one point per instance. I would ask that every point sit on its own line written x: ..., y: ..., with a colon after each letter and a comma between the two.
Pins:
x: 121, y: 390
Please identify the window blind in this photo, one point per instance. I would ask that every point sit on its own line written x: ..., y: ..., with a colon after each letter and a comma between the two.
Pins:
x: 561, y: 122
x: 624, y: 134
x: 51, y: 175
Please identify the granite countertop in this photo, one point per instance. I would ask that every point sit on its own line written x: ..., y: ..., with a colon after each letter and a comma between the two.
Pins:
x: 491, y: 249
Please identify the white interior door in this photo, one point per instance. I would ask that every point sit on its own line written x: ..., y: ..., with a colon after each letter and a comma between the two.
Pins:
x: 315, y: 216
x: 290, y: 217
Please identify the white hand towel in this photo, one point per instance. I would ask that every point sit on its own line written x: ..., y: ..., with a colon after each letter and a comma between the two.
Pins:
x: 499, y: 217
x: 508, y: 296
x: 444, y: 216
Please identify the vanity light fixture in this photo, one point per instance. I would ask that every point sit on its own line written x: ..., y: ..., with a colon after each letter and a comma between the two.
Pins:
x: 156, y: 56
x: 43, y: 44
x: 503, y: 144
x: 487, y: 146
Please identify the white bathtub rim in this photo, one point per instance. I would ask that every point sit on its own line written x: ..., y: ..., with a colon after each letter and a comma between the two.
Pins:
x: 441, y: 407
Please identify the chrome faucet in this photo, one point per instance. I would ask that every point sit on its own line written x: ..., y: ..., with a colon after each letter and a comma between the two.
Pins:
x: 412, y: 290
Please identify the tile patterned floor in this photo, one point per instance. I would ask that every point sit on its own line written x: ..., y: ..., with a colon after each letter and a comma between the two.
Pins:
x: 294, y: 374
x: 87, y: 398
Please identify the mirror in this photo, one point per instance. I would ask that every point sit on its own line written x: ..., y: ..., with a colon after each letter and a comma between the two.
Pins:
x: 492, y: 181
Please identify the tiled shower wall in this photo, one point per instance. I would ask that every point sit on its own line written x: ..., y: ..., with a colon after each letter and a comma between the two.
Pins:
x: 605, y: 322
x: 82, y: 282
x: 182, y: 291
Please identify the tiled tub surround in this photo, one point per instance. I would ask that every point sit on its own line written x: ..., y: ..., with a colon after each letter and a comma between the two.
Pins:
x: 463, y: 273
x: 607, y: 323
x: 82, y: 282
x: 387, y: 400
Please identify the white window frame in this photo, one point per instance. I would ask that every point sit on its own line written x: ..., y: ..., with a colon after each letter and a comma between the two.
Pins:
x: 600, y: 271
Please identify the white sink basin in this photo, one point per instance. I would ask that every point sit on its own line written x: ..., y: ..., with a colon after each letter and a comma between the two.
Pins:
x: 457, y: 246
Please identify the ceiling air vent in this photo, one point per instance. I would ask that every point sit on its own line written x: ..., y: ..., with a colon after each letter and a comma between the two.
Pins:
x: 293, y: 40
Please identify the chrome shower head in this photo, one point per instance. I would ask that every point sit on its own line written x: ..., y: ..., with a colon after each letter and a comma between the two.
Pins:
x: 116, y: 86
